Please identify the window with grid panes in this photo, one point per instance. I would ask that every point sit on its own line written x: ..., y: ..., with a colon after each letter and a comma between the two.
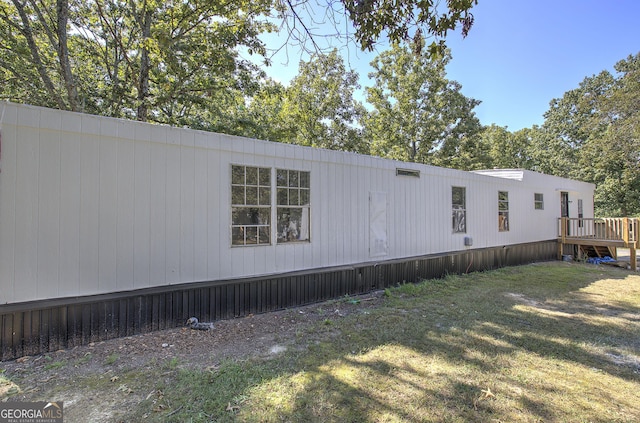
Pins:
x: 538, y: 201
x: 293, y: 205
x: 250, y: 205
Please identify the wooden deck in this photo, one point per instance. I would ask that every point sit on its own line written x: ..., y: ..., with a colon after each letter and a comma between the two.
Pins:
x: 594, y: 235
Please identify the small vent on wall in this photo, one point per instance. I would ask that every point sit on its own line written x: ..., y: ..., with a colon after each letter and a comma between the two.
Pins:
x: 407, y: 172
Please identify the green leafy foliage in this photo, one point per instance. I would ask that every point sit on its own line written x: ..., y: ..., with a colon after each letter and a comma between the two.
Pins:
x: 184, y: 63
x: 317, y: 109
x: 173, y: 62
x: 593, y: 133
x: 405, y: 20
x: 418, y: 114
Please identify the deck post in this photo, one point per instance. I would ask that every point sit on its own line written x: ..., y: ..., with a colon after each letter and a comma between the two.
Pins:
x: 625, y: 230
x: 562, y: 235
x: 560, y: 244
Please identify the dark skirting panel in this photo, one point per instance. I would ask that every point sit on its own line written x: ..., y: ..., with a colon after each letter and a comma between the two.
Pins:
x: 41, y: 326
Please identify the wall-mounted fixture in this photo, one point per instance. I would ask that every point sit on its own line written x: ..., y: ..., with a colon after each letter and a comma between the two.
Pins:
x: 407, y: 172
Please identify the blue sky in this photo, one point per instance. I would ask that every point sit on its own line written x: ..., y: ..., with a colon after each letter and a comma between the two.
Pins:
x: 520, y: 54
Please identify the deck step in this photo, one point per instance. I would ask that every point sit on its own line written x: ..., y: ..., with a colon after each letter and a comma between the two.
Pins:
x: 596, y: 251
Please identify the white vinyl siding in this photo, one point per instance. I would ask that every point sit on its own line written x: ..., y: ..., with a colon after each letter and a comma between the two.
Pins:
x: 92, y: 205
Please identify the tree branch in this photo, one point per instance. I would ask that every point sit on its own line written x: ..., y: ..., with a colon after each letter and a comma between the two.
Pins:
x: 35, y: 54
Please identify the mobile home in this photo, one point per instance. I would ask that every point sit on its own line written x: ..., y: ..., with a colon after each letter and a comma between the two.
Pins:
x: 111, y: 227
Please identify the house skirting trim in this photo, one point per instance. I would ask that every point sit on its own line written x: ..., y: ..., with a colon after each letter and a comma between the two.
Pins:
x: 38, y: 327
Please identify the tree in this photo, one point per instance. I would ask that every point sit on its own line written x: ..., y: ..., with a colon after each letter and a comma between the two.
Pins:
x: 569, y: 123
x: 178, y: 62
x: 593, y: 133
x: 470, y: 154
x: 33, y: 42
x: 611, y: 156
x: 418, y: 115
x: 319, y: 108
x: 506, y: 149
x: 398, y: 20
x: 173, y: 62
x: 263, y: 118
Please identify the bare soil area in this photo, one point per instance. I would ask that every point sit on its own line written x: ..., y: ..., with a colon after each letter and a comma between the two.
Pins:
x: 98, y: 381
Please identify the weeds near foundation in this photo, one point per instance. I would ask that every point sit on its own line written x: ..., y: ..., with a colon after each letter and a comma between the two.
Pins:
x: 111, y: 359
x: 542, y: 342
x: 545, y: 342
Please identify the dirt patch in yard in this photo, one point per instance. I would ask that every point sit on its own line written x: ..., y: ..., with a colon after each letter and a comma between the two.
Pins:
x: 98, y: 381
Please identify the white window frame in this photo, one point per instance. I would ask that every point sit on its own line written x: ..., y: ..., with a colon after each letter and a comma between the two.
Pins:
x: 459, y: 211
x: 293, y: 206
x: 538, y: 201
x: 503, y: 211
x: 251, y: 205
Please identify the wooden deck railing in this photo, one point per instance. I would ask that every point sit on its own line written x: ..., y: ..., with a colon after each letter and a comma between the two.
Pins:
x: 616, y: 229
x: 608, y: 231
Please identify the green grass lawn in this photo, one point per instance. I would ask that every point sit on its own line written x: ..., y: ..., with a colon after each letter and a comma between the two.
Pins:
x: 546, y: 342
x: 550, y: 342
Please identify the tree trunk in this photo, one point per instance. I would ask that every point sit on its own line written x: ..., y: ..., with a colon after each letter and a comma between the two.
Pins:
x: 145, y: 64
x: 35, y: 55
x: 63, y: 55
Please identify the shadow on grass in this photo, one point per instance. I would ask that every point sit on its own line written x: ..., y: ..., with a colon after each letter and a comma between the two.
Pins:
x: 435, y: 351
x: 472, y: 327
